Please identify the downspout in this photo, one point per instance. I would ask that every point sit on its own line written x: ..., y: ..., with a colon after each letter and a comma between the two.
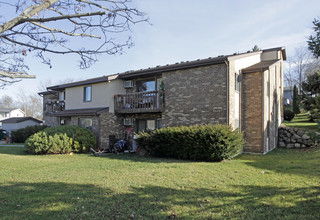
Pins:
x: 227, y: 78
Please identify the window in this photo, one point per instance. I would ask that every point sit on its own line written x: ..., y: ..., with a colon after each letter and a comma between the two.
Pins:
x: 159, y: 123
x: 85, y: 123
x: 146, y: 86
x: 62, y: 96
x: 149, y: 124
x: 237, y: 82
x: 87, y: 94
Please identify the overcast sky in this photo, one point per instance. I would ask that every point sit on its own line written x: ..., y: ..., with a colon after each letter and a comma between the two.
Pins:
x: 184, y: 30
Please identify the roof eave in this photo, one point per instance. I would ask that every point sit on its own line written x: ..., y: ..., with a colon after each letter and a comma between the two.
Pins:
x: 184, y: 65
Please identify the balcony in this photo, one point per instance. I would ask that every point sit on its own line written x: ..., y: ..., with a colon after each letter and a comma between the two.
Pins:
x: 139, y: 102
x: 52, y: 106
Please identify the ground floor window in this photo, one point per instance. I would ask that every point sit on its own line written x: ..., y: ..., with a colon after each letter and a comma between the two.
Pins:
x: 85, y: 123
x: 148, y: 124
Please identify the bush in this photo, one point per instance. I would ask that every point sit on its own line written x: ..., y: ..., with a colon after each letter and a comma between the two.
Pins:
x: 207, y: 142
x: 22, y: 134
x: 59, y: 139
x: 42, y: 143
x: 288, y: 115
x: 82, y: 139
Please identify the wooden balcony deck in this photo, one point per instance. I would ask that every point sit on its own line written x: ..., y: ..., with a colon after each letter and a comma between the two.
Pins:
x: 54, y: 106
x: 139, y: 102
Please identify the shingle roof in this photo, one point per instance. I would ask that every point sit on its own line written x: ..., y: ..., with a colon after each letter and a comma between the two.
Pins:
x: 19, y: 119
x: 80, y: 112
x: 154, y: 71
x: 80, y: 83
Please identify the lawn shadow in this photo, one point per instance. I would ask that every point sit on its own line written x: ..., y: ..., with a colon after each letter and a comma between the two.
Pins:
x: 53, y: 200
x: 288, y: 161
x: 144, y: 159
x: 11, y: 150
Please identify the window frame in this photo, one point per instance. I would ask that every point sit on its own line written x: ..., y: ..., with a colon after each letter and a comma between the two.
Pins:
x: 85, y: 94
x: 156, y: 123
x: 237, y: 82
x: 157, y: 81
x: 85, y: 118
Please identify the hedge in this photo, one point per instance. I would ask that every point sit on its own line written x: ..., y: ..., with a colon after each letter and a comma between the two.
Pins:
x: 205, y: 143
x: 48, y: 141
x: 22, y: 134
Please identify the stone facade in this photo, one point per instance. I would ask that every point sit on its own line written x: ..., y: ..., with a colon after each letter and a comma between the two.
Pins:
x: 195, y: 96
x: 295, y: 138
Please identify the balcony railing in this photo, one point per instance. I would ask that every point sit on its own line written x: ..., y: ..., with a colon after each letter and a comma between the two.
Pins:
x: 54, y: 106
x: 139, y: 102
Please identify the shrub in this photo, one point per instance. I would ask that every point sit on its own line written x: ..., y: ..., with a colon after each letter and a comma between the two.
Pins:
x: 207, y: 142
x: 42, y: 143
x: 61, y: 139
x: 288, y: 115
x: 22, y: 134
x: 82, y: 139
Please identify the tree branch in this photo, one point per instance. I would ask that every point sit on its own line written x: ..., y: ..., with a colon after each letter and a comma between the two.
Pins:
x: 28, y: 13
x: 14, y: 75
x: 42, y: 20
x: 64, y: 32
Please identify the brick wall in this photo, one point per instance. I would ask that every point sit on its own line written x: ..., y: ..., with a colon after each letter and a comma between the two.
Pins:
x: 252, y: 109
x: 195, y: 96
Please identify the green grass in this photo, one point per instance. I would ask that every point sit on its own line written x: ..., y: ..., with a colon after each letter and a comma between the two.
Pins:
x: 302, y: 121
x: 283, y: 184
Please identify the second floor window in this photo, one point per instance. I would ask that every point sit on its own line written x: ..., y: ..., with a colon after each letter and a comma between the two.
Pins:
x: 87, y: 94
x: 146, y: 86
x: 237, y: 82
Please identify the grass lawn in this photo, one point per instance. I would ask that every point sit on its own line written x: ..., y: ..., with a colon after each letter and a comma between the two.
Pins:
x: 302, y: 121
x: 284, y: 184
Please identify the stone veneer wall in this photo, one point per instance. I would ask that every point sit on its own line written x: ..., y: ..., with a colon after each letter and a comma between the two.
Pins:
x: 294, y: 138
x: 195, y: 96
x: 110, y: 124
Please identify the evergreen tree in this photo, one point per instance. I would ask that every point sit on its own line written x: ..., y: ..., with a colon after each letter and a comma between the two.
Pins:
x: 311, y: 95
x: 314, y: 40
x: 296, y: 101
x: 255, y: 48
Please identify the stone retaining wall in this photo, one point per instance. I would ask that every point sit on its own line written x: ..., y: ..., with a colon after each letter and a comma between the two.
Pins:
x: 294, y: 138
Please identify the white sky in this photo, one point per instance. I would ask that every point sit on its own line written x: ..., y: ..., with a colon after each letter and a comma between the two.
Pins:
x: 188, y: 30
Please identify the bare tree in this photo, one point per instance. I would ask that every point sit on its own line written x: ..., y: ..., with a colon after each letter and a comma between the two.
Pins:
x: 23, y: 101
x: 48, y: 82
x: 299, y: 66
x: 35, y: 106
x: 6, y: 101
x: 52, y: 26
x: 31, y: 104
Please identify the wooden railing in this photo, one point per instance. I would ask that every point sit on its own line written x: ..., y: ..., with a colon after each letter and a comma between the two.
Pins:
x: 54, y: 106
x: 139, y: 102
